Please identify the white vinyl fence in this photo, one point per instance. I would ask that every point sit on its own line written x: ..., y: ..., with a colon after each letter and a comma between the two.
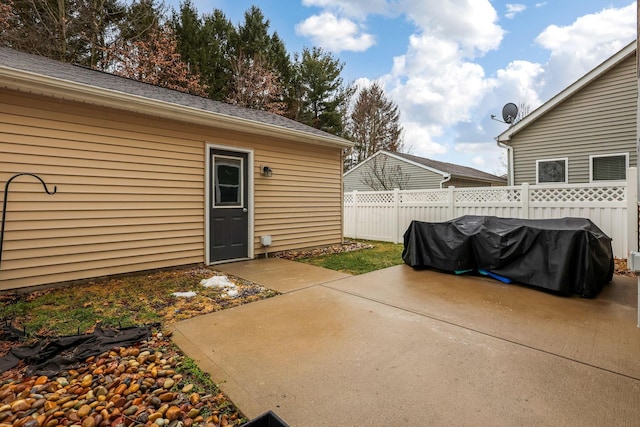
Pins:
x: 385, y: 215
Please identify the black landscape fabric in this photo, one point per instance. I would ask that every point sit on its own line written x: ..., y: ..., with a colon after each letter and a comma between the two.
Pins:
x: 566, y: 255
x: 51, y: 356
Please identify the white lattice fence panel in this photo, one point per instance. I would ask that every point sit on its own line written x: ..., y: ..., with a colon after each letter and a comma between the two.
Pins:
x: 377, y: 198
x: 348, y: 198
x: 487, y: 195
x: 578, y: 194
x: 423, y: 197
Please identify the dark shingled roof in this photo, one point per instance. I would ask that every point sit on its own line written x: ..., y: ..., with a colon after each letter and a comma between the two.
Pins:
x: 450, y: 168
x: 14, y: 59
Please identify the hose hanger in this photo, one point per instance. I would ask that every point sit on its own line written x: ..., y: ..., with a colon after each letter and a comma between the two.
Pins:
x: 4, y: 202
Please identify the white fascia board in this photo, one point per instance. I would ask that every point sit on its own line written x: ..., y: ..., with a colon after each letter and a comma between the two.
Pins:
x: 411, y: 162
x: 25, y: 81
x: 614, y: 60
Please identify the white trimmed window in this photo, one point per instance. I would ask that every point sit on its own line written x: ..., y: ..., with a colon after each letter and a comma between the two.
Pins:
x: 608, y: 167
x: 549, y: 171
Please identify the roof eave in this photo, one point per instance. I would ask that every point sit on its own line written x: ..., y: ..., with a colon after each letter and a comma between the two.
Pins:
x: 477, y: 178
x: 25, y: 81
x: 505, y: 137
x: 445, y: 174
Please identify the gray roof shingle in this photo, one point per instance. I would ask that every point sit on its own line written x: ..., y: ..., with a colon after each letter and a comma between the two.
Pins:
x: 14, y: 59
x: 453, y: 169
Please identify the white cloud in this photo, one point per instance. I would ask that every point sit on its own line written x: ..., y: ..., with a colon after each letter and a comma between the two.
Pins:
x: 353, y: 8
x: 479, y: 161
x: 579, y: 47
x: 518, y: 82
x: 445, y: 96
x: 335, y: 34
x: 470, y: 147
x: 418, y: 139
x: 484, y: 156
x: 573, y: 50
x: 433, y: 83
x: 472, y: 24
x: 513, y: 9
x: 521, y: 81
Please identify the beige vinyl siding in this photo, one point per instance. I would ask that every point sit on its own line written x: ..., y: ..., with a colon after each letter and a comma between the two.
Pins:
x: 419, y: 178
x: 599, y: 119
x: 131, y: 191
x: 129, y: 198
x: 301, y: 204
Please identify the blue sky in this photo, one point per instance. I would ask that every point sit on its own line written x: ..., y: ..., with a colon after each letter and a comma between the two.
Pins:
x: 450, y: 64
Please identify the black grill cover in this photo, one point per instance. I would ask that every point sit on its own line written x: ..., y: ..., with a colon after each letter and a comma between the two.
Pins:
x: 567, y: 255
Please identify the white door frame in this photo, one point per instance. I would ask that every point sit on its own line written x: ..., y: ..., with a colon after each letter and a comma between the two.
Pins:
x: 207, y: 198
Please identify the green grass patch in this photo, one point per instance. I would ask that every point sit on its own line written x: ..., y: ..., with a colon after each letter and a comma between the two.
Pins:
x: 382, y: 255
x: 198, y: 377
x: 121, y: 301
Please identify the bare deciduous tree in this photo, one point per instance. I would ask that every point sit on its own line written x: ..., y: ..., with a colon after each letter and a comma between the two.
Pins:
x: 68, y: 30
x: 523, y: 110
x: 154, y: 60
x: 254, y: 85
x: 503, y: 164
x: 374, y: 124
x: 6, y: 17
x: 382, y: 176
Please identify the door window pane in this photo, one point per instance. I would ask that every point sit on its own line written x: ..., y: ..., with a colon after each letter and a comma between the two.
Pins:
x: 228, y: 181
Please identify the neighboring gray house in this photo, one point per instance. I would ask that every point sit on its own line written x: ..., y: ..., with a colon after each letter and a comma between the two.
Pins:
x: 586, y: 133
x: 385, y: 170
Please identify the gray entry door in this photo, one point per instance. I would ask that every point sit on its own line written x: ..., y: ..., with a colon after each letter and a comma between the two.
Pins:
x: 229, y: 210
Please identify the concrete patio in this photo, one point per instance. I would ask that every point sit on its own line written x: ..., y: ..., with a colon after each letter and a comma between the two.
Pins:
x: 407, y: 347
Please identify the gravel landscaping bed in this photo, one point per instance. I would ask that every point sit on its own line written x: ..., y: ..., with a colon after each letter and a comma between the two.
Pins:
x: 150, y: 383
x: 326, y: 250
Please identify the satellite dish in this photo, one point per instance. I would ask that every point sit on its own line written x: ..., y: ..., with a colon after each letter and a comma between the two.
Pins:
x: 509, y: 112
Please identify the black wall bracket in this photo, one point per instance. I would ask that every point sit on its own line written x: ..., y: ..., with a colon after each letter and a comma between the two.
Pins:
x: 4, y: 202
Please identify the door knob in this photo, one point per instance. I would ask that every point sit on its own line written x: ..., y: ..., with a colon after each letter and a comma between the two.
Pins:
x: 245, y: 210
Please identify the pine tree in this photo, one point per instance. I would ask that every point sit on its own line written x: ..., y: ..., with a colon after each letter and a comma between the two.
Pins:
x: 206, y: 45
x: 254, y: 42
x: 253, y: 35
x: 142, y: 21
x: 187, y: 26
x: 320, y: 95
